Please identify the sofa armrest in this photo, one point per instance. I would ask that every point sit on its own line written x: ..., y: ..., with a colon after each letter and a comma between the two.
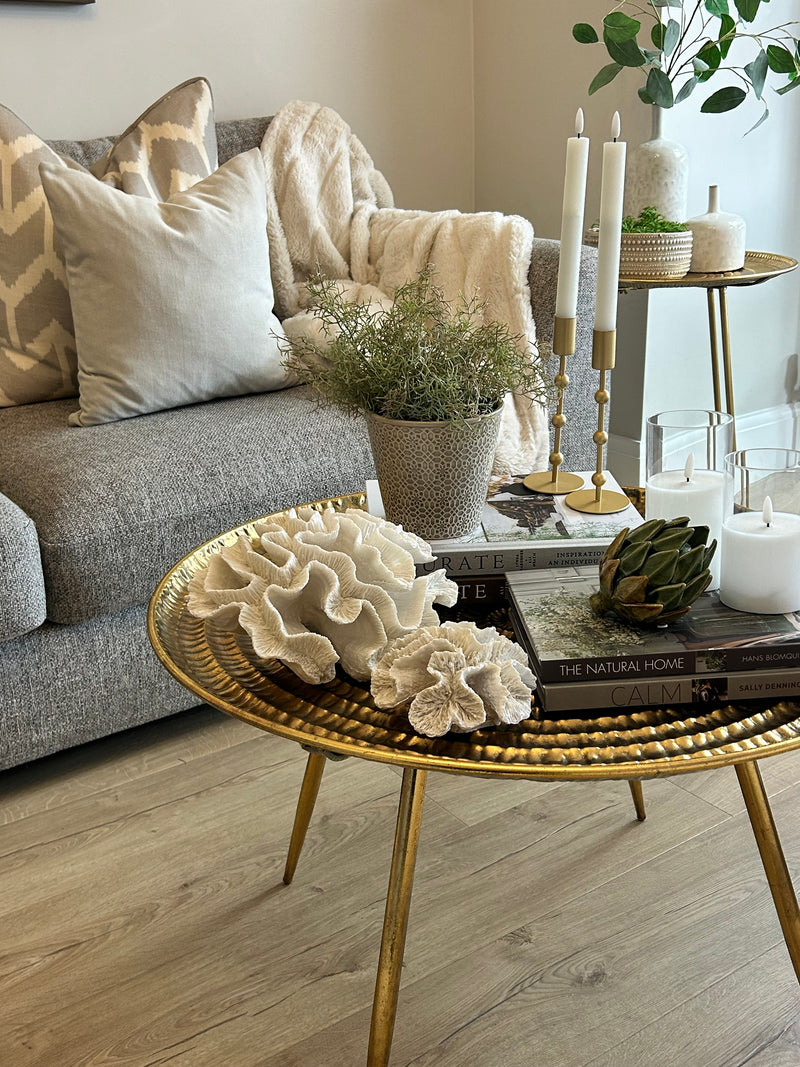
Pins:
x: 580, y: 407
x: 22, y: 595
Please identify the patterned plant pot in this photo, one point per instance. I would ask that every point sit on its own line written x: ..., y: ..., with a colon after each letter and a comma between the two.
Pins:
x: 434, y: 476
x: 646, y: 256
x: 655, y: 255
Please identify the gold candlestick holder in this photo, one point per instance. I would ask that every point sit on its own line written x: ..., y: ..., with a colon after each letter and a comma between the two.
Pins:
x: 555, y: 481
x: 600, y: 501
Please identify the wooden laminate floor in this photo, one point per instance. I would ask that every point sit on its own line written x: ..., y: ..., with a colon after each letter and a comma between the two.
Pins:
x: 143, y: 919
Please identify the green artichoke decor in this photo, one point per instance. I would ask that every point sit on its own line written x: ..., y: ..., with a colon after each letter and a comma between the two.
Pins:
x: 653, y: 574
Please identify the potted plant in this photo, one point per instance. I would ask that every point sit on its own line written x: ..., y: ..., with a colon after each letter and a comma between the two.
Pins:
x: 652, y: 246
x: 679, y: 45
x: 430, y: 381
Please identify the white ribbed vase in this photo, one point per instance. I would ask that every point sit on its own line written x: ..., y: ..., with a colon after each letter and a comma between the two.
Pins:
x: 657, y: 175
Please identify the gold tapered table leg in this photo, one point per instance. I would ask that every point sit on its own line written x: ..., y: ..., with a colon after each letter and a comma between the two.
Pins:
x: 395, y: 923
x: 769, y: 845
x: 712, y: 337
x: 726, y: 349
x: 305, y: 807
x: 638, y: 798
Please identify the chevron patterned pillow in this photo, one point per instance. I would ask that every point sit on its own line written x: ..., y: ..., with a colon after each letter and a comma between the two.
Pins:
x: 168, y: 149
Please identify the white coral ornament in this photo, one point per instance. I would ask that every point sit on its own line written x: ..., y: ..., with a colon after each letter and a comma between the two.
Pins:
x: 317, y: 587
x: 457, y: 676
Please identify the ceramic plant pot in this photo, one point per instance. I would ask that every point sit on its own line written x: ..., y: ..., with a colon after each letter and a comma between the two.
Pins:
x: 655, y: 255
x: 652, y: 255
x: 434, y: 476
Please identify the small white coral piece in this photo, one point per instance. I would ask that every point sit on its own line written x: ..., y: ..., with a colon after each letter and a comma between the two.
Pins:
x: 457, y: 676
x: 318, y: 587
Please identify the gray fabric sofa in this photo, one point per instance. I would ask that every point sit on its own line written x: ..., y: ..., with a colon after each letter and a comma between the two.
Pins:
x: 91, y: 518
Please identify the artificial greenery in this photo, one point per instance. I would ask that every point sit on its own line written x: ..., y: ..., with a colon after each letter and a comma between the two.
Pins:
x: 684, y: 43
x: 650, y: 220
x: 418, y: 360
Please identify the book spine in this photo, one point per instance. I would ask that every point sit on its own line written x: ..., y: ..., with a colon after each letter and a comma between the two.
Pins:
x: 754, y: 658
x: 482, y: 591
x: 480, y: 560
x: 652, y: 692
x: 613, y: 669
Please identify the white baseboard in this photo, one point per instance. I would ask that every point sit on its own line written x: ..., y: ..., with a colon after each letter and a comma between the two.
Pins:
x: 777, y: 427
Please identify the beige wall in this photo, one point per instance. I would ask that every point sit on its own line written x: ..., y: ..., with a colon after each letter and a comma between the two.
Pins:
x: 401, y: 74
x: 530, y: 79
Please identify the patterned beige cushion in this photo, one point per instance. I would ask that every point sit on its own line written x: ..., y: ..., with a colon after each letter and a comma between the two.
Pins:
x: 172, y: 146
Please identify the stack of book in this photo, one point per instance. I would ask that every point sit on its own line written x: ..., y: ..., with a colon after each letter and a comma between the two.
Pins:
x: 521, y: 530
x: 583, y: 662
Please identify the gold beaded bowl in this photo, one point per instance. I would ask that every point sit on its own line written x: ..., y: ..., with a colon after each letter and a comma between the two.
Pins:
x: 652, y: 255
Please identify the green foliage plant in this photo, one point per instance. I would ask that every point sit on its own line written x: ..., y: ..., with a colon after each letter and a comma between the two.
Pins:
x: 680, y: 44
x: 418, y: 360
x: 650, y: 220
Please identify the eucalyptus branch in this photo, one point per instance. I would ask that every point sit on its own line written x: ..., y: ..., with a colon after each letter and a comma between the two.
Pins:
x: 673, y: 45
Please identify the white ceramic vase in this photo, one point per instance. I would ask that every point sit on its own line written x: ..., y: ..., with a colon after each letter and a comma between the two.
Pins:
x: 657, y: 175
x: 718, y: 241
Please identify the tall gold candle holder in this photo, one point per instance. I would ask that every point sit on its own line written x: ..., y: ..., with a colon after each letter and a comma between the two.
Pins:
x: 600, y: 501
x: 556, y: 481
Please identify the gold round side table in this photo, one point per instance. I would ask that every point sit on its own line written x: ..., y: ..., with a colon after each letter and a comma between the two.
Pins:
x: 340, y: 719
x: 758, y: 267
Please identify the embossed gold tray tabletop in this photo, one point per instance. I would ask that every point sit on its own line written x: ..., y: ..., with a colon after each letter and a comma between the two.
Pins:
x: 340, y: 717
x: 758, y: 267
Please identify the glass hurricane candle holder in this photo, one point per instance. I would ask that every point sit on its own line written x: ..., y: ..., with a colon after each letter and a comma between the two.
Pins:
x: 685, y: 459
x: 760, y: 562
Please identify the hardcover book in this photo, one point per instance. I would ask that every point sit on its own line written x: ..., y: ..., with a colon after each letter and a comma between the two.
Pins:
x: 616, y: 695
x: 567, y: 642
x: 523, y: 530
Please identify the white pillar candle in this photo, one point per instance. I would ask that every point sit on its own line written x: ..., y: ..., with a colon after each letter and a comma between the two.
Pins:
x: 761, y: 561
x: 609, y: 238
x: 699, y: 494
x: 569, y: 262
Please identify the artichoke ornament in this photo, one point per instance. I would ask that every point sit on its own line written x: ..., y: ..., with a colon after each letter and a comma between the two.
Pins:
x: 653, y: 574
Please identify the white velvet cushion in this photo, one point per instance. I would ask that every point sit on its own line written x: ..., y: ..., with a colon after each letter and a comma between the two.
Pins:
x: 172, y: 301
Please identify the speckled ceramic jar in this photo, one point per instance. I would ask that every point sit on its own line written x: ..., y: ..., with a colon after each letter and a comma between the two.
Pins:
x: 719, y: 238
x: 434, y: 476
x: 657, y: 175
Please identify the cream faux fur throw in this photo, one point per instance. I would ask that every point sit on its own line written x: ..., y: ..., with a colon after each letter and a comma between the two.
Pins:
x: 330, y: 209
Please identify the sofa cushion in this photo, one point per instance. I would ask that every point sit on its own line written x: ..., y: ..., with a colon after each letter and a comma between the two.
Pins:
x: 117, y: 505
x: 172, y: 301
x: 170, y: 146
x: 22, y: 598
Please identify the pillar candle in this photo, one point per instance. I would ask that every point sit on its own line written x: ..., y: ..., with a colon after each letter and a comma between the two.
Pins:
x: 700, y: 494
x: 761, y: 561
x: 572, y: 221
x: 609, y: 238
